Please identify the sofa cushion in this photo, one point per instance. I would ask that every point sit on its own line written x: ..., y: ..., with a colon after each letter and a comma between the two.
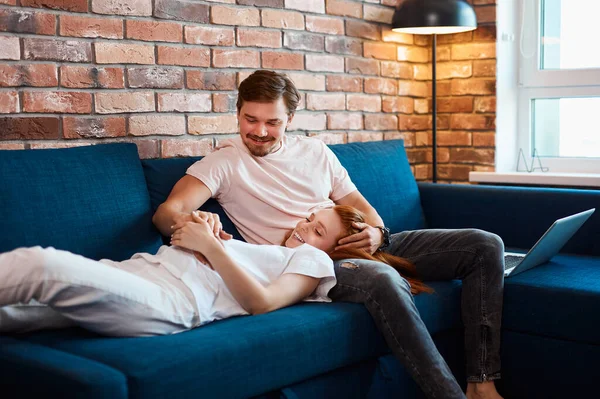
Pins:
x: 245, y: 356
x: 89, y: 200
x: 559, y: 299
x: 381, y: 172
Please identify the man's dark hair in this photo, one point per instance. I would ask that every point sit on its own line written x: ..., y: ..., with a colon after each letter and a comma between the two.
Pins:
x: 265, y: 86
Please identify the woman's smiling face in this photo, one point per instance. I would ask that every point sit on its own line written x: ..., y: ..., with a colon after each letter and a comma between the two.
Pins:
x: 321, y: 230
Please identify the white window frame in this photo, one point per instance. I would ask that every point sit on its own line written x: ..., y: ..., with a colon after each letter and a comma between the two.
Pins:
x: 535, y: 83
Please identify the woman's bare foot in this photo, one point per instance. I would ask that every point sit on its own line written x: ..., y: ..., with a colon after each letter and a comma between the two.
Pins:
x: 482, y: 390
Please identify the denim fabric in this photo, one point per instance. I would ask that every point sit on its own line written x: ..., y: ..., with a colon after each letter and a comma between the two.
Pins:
x: 475, y: 257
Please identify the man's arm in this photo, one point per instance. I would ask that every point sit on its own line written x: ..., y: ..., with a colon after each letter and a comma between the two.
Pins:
x: 187, y: 195
x: 370, y: 238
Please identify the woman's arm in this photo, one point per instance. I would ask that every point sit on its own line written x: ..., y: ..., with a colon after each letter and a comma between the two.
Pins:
x: 249, y: 292
x: 287, y: 290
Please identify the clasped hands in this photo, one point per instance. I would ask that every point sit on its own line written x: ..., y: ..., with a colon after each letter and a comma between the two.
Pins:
x: 200, y: 232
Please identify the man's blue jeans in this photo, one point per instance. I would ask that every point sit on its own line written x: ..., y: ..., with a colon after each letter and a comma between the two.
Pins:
x: 474, y: 256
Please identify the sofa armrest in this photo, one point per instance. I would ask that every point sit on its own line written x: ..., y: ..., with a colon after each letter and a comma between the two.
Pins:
x: 32, y: 370
x: 520, y: 215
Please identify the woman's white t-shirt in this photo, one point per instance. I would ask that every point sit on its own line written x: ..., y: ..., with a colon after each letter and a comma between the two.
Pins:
x: 264, y: 262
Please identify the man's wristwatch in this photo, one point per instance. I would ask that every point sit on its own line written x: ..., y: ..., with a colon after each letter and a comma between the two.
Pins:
x: 386, y: 236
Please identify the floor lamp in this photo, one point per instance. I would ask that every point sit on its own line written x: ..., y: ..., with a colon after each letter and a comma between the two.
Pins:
x: 434, y: 17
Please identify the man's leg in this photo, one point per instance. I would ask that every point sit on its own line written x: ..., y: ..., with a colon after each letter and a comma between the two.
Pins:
x: 477, y: 258
x: 386, y: 295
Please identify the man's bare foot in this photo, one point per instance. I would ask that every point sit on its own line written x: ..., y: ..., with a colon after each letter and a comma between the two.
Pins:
x: 482, y: 390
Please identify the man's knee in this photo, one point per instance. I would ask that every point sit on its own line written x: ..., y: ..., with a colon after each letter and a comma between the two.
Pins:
x: 372, y: 276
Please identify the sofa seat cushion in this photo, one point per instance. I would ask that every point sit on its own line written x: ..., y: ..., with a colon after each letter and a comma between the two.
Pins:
x: 559, y: 300
x: 246, y: 356
x: 90, y: 200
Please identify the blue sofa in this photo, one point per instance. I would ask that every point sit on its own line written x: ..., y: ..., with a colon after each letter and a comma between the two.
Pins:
x: 98, y: 201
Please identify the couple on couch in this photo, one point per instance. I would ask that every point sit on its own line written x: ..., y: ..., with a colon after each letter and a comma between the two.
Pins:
x: 325, y: 242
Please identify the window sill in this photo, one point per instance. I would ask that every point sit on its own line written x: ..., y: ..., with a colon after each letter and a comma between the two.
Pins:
x: 541, y: 179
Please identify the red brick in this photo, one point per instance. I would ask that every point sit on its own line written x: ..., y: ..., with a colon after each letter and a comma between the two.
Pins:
x: 362, y: 29
x: 282, y: 19
x: 186, y: 148
x: 91, y: 77
x: 484, y: 139
x: 331, y: 137
x: 345, y: 120
x: 455, y: 104
x: 396, y: 70
x: 308, y: 121
x: 148, y: 125
x: 473, y: 122
x: 119, y: 102
x: 473, y: 51
x: 237, y: 16
x: 454, y: 139
x: 414, y: 122
x: 378, y: 14
x: 109, y: 28
x: 258, y: 38
x: 38, y: 75
x: 388, y: 35
x: 403, y: 105
x: 422, y: 106
x: 484, y: 68
x: 332, y: 26
x: 485, y: 33
x: 65, y: 5
x: 155, y: 78
x: 361, y: 137
x: 260, y: 3
x: 27, y: 22
x: 57, y: 50
x: 454, y: 172
x: 381, y: 85
x: 486, y: 14
x: 322, y: 101
x: 182, y: 10
x: 275, y: 60
x: 184, y: 102
x: 9, y: 48
x: 10, y: 146
x: 235, y: 58
x: 422, y: 72
x: 413, y: 54
x: 200, y: 80
x: 343, y: 45
x: 324, y: 63
x: 154, y: 31
x: 199, y: 125
x: 77, y: 128
x: 381, y: 122
x: 363, y: 102
x: 485, y: 104
x: 57, y: 102
x: 224, y: 102
x: 304, y: 41
x: 304, y: 81
x: 9, y: 102
x: 124, y: 53
x: 210, y: 36
x: 413, y: 89
x: 463, y: 37
x: 34, y: 128
x: 362, y: 66
x: 344, y: 83
x: 450, y: 70
x: 186, y: 56
x: 148, y: 149
x: 382, y: 51
x: 408, y: 137
x: 316, y: 6
x: 471, y: 155
x: 123, y: 7
x: 344, y: 8
x: 461, y: 87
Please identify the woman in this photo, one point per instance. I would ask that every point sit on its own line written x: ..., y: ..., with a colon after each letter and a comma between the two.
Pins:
x: 193, y: 282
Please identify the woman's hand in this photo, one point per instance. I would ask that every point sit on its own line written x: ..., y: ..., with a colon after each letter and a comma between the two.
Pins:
x: 212, y: 219
x: 196, y: 235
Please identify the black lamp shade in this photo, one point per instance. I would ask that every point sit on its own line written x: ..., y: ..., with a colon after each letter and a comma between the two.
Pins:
x: 434, y: 17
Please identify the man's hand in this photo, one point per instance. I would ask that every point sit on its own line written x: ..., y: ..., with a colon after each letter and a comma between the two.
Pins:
x: 196, y: 235
x: 212, y: 219
x: 369, y: 239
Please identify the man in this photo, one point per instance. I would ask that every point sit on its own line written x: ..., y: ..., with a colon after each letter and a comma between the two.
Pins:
x: 267, y: 181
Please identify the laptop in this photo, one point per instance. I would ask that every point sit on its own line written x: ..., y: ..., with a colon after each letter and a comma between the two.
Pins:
x: 551, y: 242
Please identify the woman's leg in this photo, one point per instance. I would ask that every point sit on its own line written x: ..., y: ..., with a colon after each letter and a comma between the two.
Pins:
x: 387, y: 296
x: 94, y: 295
x: 477, y: 258
x: 29, y: 317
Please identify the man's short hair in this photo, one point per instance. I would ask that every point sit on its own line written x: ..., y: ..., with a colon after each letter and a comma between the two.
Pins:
x: 265, y: 86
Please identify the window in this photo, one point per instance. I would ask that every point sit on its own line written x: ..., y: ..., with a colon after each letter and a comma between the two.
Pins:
x: 559, y: 84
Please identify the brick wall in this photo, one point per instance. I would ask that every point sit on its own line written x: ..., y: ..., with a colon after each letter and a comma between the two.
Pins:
x: 163, y: 74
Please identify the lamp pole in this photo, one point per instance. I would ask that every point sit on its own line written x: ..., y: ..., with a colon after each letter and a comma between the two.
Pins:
x: 434, y: 105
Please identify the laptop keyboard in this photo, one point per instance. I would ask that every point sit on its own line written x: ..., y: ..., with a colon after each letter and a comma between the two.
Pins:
x: 511, y: 261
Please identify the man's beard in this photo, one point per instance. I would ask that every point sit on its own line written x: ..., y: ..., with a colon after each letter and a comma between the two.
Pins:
x: 262, y: 150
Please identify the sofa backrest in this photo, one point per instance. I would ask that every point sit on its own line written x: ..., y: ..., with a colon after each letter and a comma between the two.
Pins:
x: 90, y: 200
x: 380, y: 171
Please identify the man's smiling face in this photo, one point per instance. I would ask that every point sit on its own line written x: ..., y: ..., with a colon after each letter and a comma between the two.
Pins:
x: 262, y: 126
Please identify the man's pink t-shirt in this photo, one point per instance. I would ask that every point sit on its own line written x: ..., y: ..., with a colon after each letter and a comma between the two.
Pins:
x: 265, y: 197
